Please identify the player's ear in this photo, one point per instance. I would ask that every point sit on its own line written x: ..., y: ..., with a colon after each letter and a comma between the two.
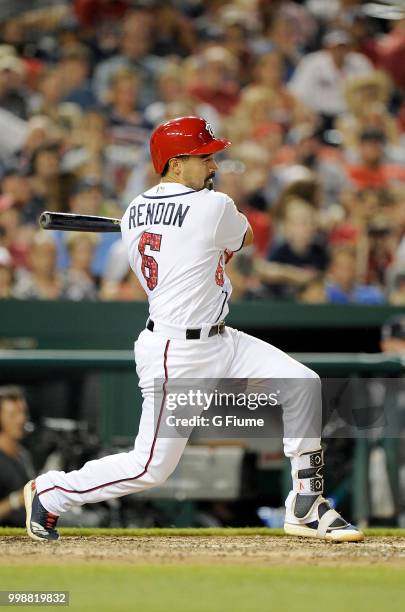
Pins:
x: 175, y: 165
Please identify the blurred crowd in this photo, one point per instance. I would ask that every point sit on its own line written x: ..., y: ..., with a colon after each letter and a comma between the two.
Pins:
x: 311, y: 94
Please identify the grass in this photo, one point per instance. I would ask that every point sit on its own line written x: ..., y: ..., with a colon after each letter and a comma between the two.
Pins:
x: 188, y: 531
x: 157, y: 587
x: 216, y: 588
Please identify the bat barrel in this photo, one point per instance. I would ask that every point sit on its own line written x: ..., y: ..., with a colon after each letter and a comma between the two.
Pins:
x: 78, y: 223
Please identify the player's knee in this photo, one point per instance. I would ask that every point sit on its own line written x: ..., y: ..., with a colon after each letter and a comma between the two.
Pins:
x: 159, y: 474
x: 307, y: 381
x: 312, y: 381
x: 310, y: 374
x: 303, y: 372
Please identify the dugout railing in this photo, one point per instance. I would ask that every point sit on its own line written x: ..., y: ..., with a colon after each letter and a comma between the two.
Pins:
x: 120, y: 400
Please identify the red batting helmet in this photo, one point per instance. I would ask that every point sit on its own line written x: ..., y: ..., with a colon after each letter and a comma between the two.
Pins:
x: 183, y: 136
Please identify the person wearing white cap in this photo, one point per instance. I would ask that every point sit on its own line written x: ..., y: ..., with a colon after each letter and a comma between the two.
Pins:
x: 320, y: 77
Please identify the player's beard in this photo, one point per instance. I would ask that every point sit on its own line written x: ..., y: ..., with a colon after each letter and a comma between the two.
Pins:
x: 209, y: 182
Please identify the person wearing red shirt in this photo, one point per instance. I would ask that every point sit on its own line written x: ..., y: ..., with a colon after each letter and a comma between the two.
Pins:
x: 372, y: 171
x: 90, y: 12
x: 217, y: 82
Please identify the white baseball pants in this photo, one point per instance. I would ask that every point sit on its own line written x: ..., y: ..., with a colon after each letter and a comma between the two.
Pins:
x: 233, y: 354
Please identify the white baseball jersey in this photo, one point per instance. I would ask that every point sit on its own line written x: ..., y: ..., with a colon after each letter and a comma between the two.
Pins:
x: 175, y: 238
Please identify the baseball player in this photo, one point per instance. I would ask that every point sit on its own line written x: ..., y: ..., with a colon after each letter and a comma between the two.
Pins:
x: 177, y: 235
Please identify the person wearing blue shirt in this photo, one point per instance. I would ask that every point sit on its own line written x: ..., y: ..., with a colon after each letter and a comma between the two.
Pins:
x: 86, y: 198
x: 343, y: 287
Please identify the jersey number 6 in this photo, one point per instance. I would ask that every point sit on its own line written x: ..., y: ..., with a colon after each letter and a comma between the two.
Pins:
x: 149, y: 263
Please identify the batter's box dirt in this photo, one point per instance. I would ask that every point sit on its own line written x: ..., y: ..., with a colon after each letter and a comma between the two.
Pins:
x: 252, y: 550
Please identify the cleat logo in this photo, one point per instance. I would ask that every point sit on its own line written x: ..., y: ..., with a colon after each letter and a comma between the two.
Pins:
x: 38, y: 529
x: 316, y: 484
x: 316, y: 459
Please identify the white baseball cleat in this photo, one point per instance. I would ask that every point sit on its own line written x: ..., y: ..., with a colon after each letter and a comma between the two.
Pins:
x: 39, y: 522
x: 322, y: 522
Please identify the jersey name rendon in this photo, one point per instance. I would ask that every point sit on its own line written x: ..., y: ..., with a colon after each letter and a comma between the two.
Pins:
x: 167, y: 213
x: 175, y: 238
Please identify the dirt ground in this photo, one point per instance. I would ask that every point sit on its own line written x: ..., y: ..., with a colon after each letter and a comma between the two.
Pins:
x: 253, y: 550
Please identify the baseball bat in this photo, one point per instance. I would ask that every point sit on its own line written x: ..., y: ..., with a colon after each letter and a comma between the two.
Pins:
x: 78, y: 223
x: 85, y: 223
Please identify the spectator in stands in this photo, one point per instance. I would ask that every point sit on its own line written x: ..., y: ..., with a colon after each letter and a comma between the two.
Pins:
x: 367, y: 98
x: 236, y: 25
x: 41, y: 130
x: 75, y: 68
x: 173, y: 32
x: 300, y: 182
x: 268, y: 72
x: 320, y: 77
x: 47, y: 181
x: 300, y: 245
x: 87, y: 198
x: 327, y: 168
x: 41, y: 281
x: 256, y: 162
x: 343, y: 286
x: 79, y: 283
x: 247, y: 70
x: 217, y: 79
x: 313, y: 292
x: 233, y: 181
x: 13, y: 134
x: 123, y: 113
x: 14, y: 236
x: 258, y: 107
x: 391, y: 52
x: 86, y: 157
x: 303, y: 252
x: 135, y: 45
x: 12, y: 96
x: 127, y: 128
x: 372, y: 171
x: 358, y: 208
x: 6, y: 274
x: 378, y: 250
x: 17, y: 185
x: 50, y: 93
x: 93, y: 13
x: 271, y: 137
x: 15, y: 462
x: 172, y: 89
x: 285, y: 34
x: 396, y: 287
